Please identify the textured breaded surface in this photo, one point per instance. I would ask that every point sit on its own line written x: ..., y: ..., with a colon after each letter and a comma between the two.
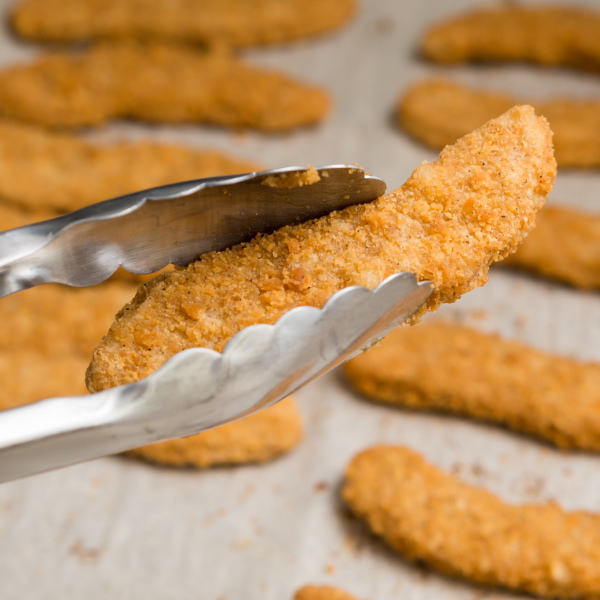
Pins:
x: 452, y: 368
x: 437, y: 112
x: 235, y: 22
x: 56, y: 320
x: 12, y: 216
x: 546, y: 35
x: 467, y: 532
x: 257, y: 438
x: 29, y: 375
x: 156, y: 83
x: 42, y: 170
x: 322, y: 592
x: 565, y: 245
x: 448, y: 223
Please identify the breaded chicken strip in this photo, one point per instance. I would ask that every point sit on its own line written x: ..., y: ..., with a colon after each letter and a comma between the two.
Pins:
x: 452, y: 368
x: 234, y: 22
x: 462, y: 531
x: 42, y: 170
x: 564, y: 246
x: 159, y: 84
x: 546, y: 35
x: 55, y: 320
x: 257, y: 438
x: 29, y: 375
x: 447, y: 224
x: 12, y: 216
x: 437, y: 112
x: 322, y: 592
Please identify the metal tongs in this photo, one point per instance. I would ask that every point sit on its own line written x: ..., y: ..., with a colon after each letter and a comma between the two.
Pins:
x: 199, y: 388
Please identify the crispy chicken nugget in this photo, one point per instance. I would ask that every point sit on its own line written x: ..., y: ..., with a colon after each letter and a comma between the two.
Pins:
x: 234, y: 22
x: 544, y: 35
x: 452, y: 368
x: 448, y: 223
x: 322, y: 592
x: 437, y: 112
x: 156, y: 83
x: 462, y: 531
x: 42, y: 170
x: 257, y: 438
x: 565, y: 245
x: 12, y: 216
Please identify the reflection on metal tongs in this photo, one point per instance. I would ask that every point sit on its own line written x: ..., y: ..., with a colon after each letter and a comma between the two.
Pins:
x: 198, y: 388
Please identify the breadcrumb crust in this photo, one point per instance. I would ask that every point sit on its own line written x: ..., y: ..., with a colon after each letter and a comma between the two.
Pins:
x: 452, y: 368
x: 48, y: 171
x: 156, y: 83
x: 232, y: 22
x: 447, y: 224
x: 437, y: 112
x: 546, y: 35
x: 254, y: 439
x: 467, y: 532
x: 322, y: 592
x: 575, y: 260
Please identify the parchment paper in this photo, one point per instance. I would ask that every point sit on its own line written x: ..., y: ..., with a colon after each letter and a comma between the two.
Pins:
x: 122, y: 530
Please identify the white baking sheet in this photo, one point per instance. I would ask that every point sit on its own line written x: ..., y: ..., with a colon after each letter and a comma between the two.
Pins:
x: 119, y: 529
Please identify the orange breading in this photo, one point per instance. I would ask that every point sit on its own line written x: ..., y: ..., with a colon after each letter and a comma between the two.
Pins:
x: 42, y: 170
x: 234, y: 22
x: 462, y: 531
x: 437, y: 112
x: 447, y: 224
x: 452, y: 368
x: 322, y: 592
x: 54, y: 320
x: 12, y: 216
x: 546, y: 35
x: 159, y: 84
x: 29, y: 375
x: 564, y: 246
x: 257, y: 438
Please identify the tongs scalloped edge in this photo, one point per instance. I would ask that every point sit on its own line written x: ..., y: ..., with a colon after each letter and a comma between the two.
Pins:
x: 200, y: 388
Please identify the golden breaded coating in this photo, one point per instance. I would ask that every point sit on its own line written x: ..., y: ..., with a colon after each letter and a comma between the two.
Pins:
x: 233, y: 22
x: 546, y: 35
x: 467, y: 532
x: 42, y: 170
x: 159, y: 84
x: 565, y: 245
x: 447, y: 224
x: 437, y: 112
x: 322, y: 592
x: 452, y: 368
x: 257, y: 438
x: 55, y: 320
x: 12, y: 216
x: 29, y: 375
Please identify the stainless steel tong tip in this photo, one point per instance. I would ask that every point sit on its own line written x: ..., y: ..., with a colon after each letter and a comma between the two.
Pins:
x: 148, y: 230
x: 198, y: 388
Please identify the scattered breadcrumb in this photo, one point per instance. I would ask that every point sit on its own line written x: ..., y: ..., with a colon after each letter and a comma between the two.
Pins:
x: 257, y: 438
x: 322, y: 592
x: 232, y: 22
x: 294, y: 179
x: 462, y: 531
x: 47, y: 171
x: 452, y: 368
x: 156, y: 83
x: 546, y: 35
x: 437, y: 112
x: 564, y: 246
x: 447, y: 224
